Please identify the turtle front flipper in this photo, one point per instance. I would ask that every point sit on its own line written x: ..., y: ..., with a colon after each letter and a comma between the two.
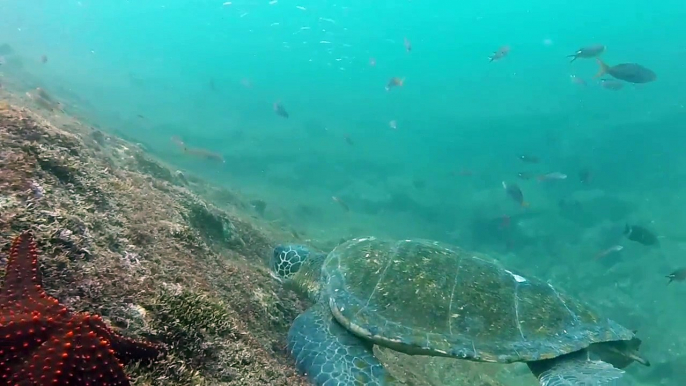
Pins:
x: 330, y: 355
x: 575, y: 369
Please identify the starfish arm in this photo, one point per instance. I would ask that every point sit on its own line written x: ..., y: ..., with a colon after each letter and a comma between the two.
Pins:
x: 44, y: 343
x: 125, y: 349
x: 22, y: 271
x: 23, y: 286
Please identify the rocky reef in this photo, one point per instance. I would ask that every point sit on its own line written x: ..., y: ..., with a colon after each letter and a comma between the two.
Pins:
x: 158, y: 256
x: 124, y: 237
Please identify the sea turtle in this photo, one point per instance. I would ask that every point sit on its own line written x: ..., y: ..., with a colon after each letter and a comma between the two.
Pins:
x: 428, y: 298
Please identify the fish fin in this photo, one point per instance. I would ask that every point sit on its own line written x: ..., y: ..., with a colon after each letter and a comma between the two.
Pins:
x: 574, y: 57
x: 627, y: 229
x: 603, y: 68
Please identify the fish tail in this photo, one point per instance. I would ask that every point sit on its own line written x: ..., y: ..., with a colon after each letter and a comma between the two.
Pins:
x: 603, y: 68
x: 401, y: 82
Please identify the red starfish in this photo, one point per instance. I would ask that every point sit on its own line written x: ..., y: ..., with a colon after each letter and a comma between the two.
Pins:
x: 43, y: 343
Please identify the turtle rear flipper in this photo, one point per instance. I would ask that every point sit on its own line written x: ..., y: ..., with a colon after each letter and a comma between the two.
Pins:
x: 575, y: 369
x: 330, y: 355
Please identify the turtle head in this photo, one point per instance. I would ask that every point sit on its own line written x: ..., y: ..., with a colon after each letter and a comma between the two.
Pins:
x: 620, y: 353
x: 297, y: 267
x: 287, y: 260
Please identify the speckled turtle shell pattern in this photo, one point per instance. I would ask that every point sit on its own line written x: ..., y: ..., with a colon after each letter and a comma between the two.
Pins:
x: 424, y: 297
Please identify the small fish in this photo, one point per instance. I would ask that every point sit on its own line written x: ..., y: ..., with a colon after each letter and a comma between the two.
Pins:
x: 372, y: 62
x: 280, y: 110
x: 678, y: 275
x: 341, y: 203
x: 44, y: 94
x: 611, y: 84
x: 348, y: 140
x: 529, y: 159
x: 203, y: 153
x: 395, y: 82
x: 505, y: 222
x: 44, y: 58
x: 501, y: 53
x: 525, y: 175
x: 585, y: 176
x: 259, y: 206
x: 515, y: 193
x: 628, y: 72
x: 462, y: 172
x: 612, y: 249
x: 576, y: 80
x: 640, y: 235
x: 552, y: 176
x: 408, y: 45
x: 587, y: 52
x: 393, y: 125
x: 178, y: 141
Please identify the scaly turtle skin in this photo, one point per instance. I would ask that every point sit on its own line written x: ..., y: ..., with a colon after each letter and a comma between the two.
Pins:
x: 424, y: 297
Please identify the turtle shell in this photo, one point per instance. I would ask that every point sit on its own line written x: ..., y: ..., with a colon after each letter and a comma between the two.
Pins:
x: 424, y: 297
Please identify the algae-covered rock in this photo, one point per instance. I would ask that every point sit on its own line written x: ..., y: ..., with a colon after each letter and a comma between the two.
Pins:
x: 152, y: 257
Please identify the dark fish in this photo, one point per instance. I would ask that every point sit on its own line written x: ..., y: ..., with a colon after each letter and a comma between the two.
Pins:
x: 587, y: 52
x: 280, y: 110
x: 341, y: 203
x: 628, y: 72
x: 585, y: 176
x: 640, y: 235
x: 259, y: 206
x: 515, y: 193
x: 529, y: 158
x: 678, y: 275
x: 44, y: 58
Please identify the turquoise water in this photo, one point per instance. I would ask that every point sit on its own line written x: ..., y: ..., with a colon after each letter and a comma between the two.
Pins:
x: 210, y: 73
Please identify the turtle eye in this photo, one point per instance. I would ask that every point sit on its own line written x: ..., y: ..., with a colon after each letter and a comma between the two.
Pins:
x: 287, y: 260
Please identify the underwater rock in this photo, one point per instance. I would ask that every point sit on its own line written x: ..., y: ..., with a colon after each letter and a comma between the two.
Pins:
x: 120, y: 239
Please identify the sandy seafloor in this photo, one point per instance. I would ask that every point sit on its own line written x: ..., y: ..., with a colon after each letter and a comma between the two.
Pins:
x: 163, y: 254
